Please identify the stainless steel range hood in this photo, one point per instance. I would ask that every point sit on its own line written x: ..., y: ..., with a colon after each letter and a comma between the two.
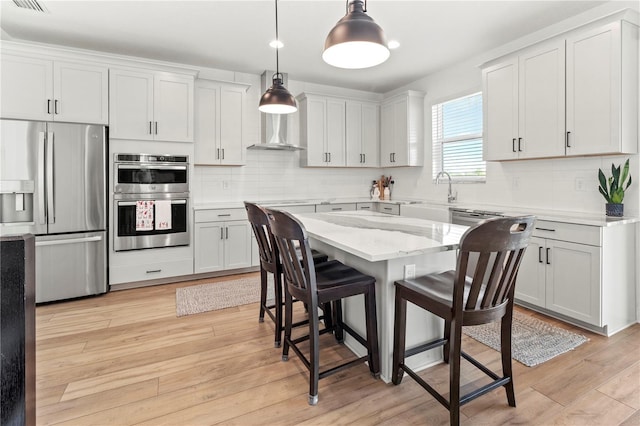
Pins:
x: 273, y: 127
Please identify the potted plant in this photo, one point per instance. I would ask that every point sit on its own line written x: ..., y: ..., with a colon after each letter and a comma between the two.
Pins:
x: 612, y: 189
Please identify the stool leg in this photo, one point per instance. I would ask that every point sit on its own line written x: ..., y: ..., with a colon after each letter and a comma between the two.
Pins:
x: 278, y: 302
x: 447, y: 345
x: 399, y: 332
x: 314, y: 356
x: 263, y: 293
x: 327, y: 313
x: 455, y: 342
x: 372, y: 332
x: 337, y: 321
x: 288, y: 320
x: 505, y: 345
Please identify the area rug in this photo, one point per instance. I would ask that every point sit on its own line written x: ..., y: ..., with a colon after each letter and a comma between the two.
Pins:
x: 220, y: 295
x: 533, y: 341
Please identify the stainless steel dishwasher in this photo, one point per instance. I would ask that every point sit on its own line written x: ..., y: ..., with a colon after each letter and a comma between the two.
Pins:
x: 470, y: 217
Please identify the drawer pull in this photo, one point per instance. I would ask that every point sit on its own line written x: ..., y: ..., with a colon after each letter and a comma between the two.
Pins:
x: 387, y: 208
x: 546, y: 229
x: 224, y: 215
x: 336, y: 209
x: 154, y: 271
x: 365, y: 208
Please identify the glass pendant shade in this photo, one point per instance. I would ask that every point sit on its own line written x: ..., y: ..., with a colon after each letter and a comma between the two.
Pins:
x: 356, y: 41
x: 277, y: 99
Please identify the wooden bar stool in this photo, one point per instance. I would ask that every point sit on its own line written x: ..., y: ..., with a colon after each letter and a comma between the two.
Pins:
x: 270, y: 263
x: 325, y: 283
x: 467, y: 296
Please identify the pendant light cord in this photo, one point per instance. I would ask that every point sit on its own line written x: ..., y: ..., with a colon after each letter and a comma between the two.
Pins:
x: 277, y: 43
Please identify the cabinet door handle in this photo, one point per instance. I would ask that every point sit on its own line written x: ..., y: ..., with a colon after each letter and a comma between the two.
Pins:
x: 223, y: 153
x: 364, y: 158
x: 546, y: 229
x: 55, y: 106
x: 513, y: 145
x: 150, y: 129
x: 539, y: 254
x: 222, y: 233
x: 156, y: 127
x: 568, y: 143
x: 217, y: 153
x: 548, y: 251
x: 226, y: 232
x: 48, y: 106
x: 519, y: 144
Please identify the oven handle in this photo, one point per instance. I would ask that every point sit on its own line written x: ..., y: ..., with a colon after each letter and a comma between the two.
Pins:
x: 149, y: 167
x: 133, y: 203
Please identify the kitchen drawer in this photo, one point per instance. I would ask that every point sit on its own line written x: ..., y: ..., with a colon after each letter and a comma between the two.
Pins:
x: 150, y: 271
x: 306, y: 208
x: 366, y: 206
x: 389, y: 208
x: 561, y: 231
x: 215, y: 215
x: 324, y: 208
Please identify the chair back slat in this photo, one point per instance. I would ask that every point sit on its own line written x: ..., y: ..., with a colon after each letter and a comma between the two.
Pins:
x: 260, y: 226
x: 295, y: 252
x: 498, y: 246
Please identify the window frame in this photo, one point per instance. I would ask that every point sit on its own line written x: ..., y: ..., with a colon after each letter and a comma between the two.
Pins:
x: 436, y: 127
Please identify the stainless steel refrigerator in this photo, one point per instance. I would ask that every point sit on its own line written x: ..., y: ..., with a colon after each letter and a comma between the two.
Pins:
x: 53, y: 185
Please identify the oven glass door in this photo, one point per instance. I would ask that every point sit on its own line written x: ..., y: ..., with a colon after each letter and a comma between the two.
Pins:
x: 129, y: 236
x: 138, y: 178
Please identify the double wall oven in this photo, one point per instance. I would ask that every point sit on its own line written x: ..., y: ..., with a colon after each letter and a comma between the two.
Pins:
x: 151, y: 201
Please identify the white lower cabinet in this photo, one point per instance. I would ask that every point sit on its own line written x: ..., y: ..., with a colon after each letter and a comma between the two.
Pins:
x: 580, y: 273
x: 335, y: 207
x: 222, y: 240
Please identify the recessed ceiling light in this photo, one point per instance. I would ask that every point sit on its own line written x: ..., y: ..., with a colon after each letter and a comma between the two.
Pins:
x: 393, y: 44
x: 276, y: 44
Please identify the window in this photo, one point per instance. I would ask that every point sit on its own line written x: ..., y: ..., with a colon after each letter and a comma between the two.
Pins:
x: 457, y: 139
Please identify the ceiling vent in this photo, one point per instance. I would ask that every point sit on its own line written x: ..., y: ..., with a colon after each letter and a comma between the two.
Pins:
x: 31, y: 5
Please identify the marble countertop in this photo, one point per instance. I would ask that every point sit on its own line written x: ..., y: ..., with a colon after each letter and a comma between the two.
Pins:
x: 378, y: 236
x: 578, y: 218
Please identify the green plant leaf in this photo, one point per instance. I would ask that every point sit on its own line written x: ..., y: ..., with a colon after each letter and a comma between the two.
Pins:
x: 628, y: 183
x: 603, y: 184
x: 625, y: 173
x: 617, y: 196
x: 604, y: 194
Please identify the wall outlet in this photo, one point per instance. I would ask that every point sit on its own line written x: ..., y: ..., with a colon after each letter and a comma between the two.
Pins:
x: 225, y: 184
x: 579, y: 184
x: 409, y: 271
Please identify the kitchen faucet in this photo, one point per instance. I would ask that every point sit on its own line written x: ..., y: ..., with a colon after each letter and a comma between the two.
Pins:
x: 451, y: 197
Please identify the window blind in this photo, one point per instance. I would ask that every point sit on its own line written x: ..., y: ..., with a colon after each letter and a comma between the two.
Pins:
x: 457, y: 138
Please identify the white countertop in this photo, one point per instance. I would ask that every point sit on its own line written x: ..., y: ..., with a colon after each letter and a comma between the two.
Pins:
x: 541, y: 214
x: 377, y: 236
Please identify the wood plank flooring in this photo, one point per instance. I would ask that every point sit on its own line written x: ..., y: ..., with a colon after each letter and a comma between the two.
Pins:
x: 124, y: 358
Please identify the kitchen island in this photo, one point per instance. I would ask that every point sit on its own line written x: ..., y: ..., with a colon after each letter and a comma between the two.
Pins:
x: 388, y: 248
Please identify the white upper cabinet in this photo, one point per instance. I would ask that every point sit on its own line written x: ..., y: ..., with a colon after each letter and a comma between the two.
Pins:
x: 402, y: 130
x: 150, y: 105
x: 602, y: 90
x: 524, y: 100
x: 219, y: 120
x: 362, y: 134
x: 38, y: 89
x: 322, y: 131
x: 576, y: 95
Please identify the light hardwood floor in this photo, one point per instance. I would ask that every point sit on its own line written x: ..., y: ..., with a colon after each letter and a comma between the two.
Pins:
x: 124, y: 358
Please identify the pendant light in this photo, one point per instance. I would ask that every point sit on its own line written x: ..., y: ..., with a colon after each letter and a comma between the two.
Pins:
x: 356, y: 41
x: 277, y: 99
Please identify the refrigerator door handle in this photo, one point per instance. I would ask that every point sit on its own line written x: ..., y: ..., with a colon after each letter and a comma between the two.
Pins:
x: 69, y: 241
x: 42, y: 215
x: 51, y: 213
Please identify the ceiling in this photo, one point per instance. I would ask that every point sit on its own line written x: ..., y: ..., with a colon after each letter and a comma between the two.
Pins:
x: 234, y: 35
